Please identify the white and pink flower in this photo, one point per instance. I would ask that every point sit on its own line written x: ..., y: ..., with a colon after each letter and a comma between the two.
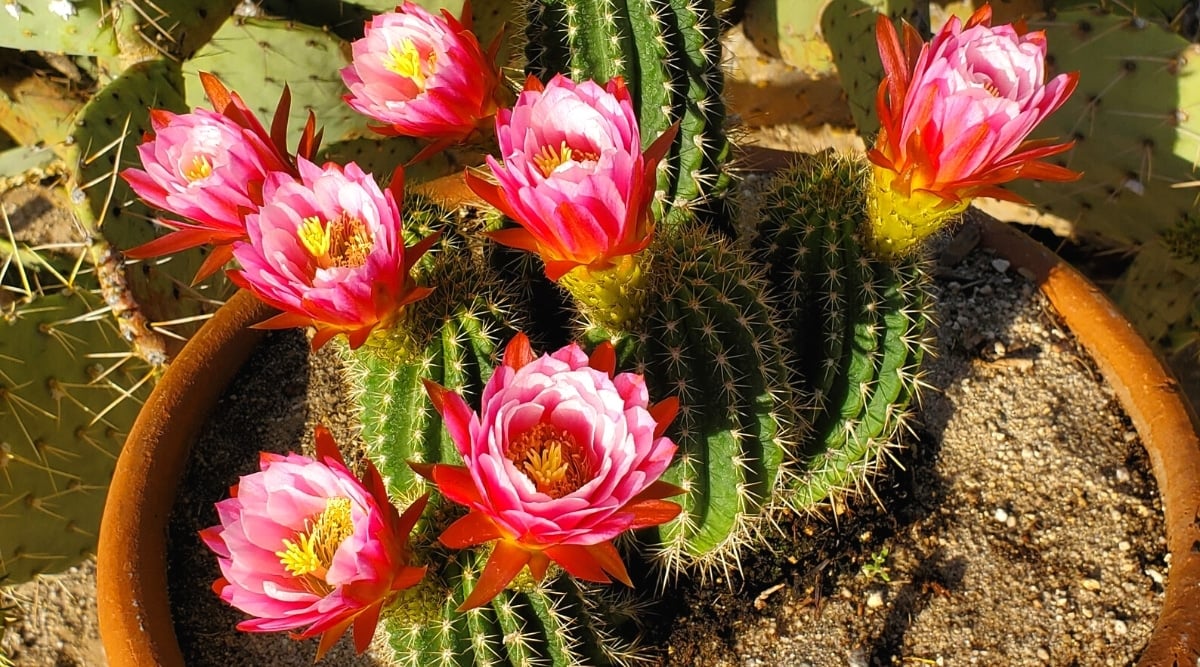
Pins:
x: 203, y: 167
x: 574, y: 174
x: 423, y: 76
x: 957, y: 112
x: 327, y: 250
x: 304, y: 542
x: 562, y: 457
x: 209, y: 167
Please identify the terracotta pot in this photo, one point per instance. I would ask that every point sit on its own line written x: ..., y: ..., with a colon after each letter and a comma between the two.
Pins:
x: 135, y: 617
x: 131, y: 557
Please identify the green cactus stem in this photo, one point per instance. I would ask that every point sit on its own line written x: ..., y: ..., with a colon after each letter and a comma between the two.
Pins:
x: 452, y: 337
x: 708, y: 338
x: 856, y: 322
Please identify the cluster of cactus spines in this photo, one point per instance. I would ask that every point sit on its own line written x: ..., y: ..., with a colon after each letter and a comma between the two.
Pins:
x: 669, y: 53
x: 67, y: 394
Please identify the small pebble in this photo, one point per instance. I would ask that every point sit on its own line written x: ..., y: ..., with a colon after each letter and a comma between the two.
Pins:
x: 1001, y: 264
x: 1120, y: 627
x: 1043, y: 655
x: 1000, y: 515
x: 1122, y: 474
x: 1155, y: 576
x: 1123, y: 545
x: 875, y: 600
x: 1090, y: 585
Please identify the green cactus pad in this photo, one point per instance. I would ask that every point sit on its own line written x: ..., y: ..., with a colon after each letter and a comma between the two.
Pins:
x: 857, y: 324
x: 790, y: 31
x: 1160, y: 293
x: 87, y: 32
x: 147, y: 29
x: 64, y: 410
x: 1131, y: 118
x: 130, y: 30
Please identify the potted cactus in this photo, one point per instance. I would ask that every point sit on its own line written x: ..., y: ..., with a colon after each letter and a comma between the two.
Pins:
x: 671, y: 371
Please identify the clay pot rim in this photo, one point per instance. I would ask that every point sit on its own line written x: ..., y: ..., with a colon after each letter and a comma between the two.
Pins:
x: 135, y: 617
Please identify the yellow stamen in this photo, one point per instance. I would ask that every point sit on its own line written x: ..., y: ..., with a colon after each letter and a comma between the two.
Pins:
x: 548, y: 159
x: 344, y: 241
x: 406, y: 61
x: 200, y: 168
x: 309, y: 556
x: 551, y: 458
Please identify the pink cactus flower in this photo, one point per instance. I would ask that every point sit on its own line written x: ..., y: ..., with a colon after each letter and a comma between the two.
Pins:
x: 422, y: 75
x: 561, y: 458
x: 203, y: 167
x: 574, y: 174
x: 956, y: 112
x: 209, y: 167
x: 303, y: 542
x: 327, y: 250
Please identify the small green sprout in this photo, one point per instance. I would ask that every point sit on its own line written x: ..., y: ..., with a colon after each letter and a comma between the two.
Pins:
x: 876, y: 566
